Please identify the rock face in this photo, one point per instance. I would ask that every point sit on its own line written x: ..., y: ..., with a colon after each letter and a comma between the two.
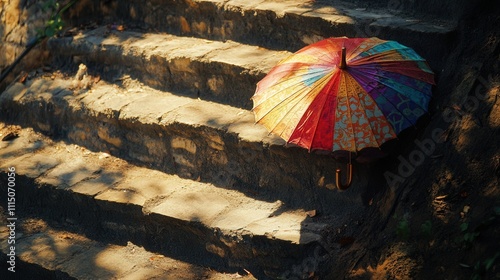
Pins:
x: 139, y: 135
x: 19, y: 22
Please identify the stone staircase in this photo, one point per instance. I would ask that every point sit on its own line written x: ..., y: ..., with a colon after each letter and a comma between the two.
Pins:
x: 143, y: 140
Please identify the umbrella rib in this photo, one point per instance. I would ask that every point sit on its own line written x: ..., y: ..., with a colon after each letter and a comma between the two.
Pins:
x: 389, y: 86
x: 385, y: 71
x: 288, y: 87
x: 355, y: 50
x: 321, y: 112
x: 384, y: 64
x: 304, y: 52
x: 326, y: 58
x: 291, y: 110
x: 368, y: 119
x: 276, y: 105
x: 383, y: 95
x: 380, y: 60
x: 282, y: 80
x: 364, y: 113
x: 377, y: 58
x: 369, y: 60
x: 316, y: 85
x: 387, y: 64
x: 309, y: 65
x: 349, y: 111
x: 327, y: 54
x: 409, y: 99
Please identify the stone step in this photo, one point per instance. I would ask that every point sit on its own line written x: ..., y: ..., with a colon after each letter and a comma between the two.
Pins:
x: 43, y: 251
x: 225, y: 72
x: 282, y: 25
x: 446, y: 9
x: 195, y: 139
x: 183, y: 219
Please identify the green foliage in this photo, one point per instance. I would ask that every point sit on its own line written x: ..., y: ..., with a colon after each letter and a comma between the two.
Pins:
x: 55, y: 23
x: 488, y: 263
x: 481, y: 268
x: 464, y: 227
x: 468, y: 236
x: 426, y: 229
x: 403, y: 229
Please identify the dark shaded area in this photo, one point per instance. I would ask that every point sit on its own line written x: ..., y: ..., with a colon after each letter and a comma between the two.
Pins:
x: 118, y: 223
x: 25, y: 271
x: 446, y: 9
x: 416, y: 229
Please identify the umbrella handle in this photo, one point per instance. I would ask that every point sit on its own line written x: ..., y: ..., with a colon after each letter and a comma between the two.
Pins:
x: 338, y: 172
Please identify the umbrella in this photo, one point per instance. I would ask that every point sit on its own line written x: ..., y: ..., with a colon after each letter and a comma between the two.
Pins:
x: 344, y: 94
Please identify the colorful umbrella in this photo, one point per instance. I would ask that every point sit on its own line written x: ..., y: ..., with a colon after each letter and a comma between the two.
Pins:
x: 344, y: 94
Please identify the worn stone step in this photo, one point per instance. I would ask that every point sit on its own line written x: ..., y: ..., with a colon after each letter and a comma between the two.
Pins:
x: 283, y: 25
x: 195, y: 139
x: 446, y: 9
x: 184, y: 219
x: 226, y: 72
x: 45, y: 251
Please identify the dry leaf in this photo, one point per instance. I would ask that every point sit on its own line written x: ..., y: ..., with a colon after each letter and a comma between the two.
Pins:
x: 23, y: 77
x: 311, y: 213
x: 441, y: 197
x: 248, y: 272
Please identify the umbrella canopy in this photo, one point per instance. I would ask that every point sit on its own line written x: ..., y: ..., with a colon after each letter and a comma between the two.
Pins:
x: 344, y: 94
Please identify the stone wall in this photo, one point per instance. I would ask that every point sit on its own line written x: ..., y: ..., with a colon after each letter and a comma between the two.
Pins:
x: 19, y: 22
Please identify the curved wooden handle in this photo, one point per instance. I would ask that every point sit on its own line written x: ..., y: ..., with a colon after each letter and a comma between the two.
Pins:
x: 338, y: 180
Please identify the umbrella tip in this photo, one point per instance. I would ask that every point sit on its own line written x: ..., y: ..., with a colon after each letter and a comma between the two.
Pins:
x: 343, y: 63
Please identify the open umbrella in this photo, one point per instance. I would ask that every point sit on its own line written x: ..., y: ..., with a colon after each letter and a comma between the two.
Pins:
x: 344, y: 94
